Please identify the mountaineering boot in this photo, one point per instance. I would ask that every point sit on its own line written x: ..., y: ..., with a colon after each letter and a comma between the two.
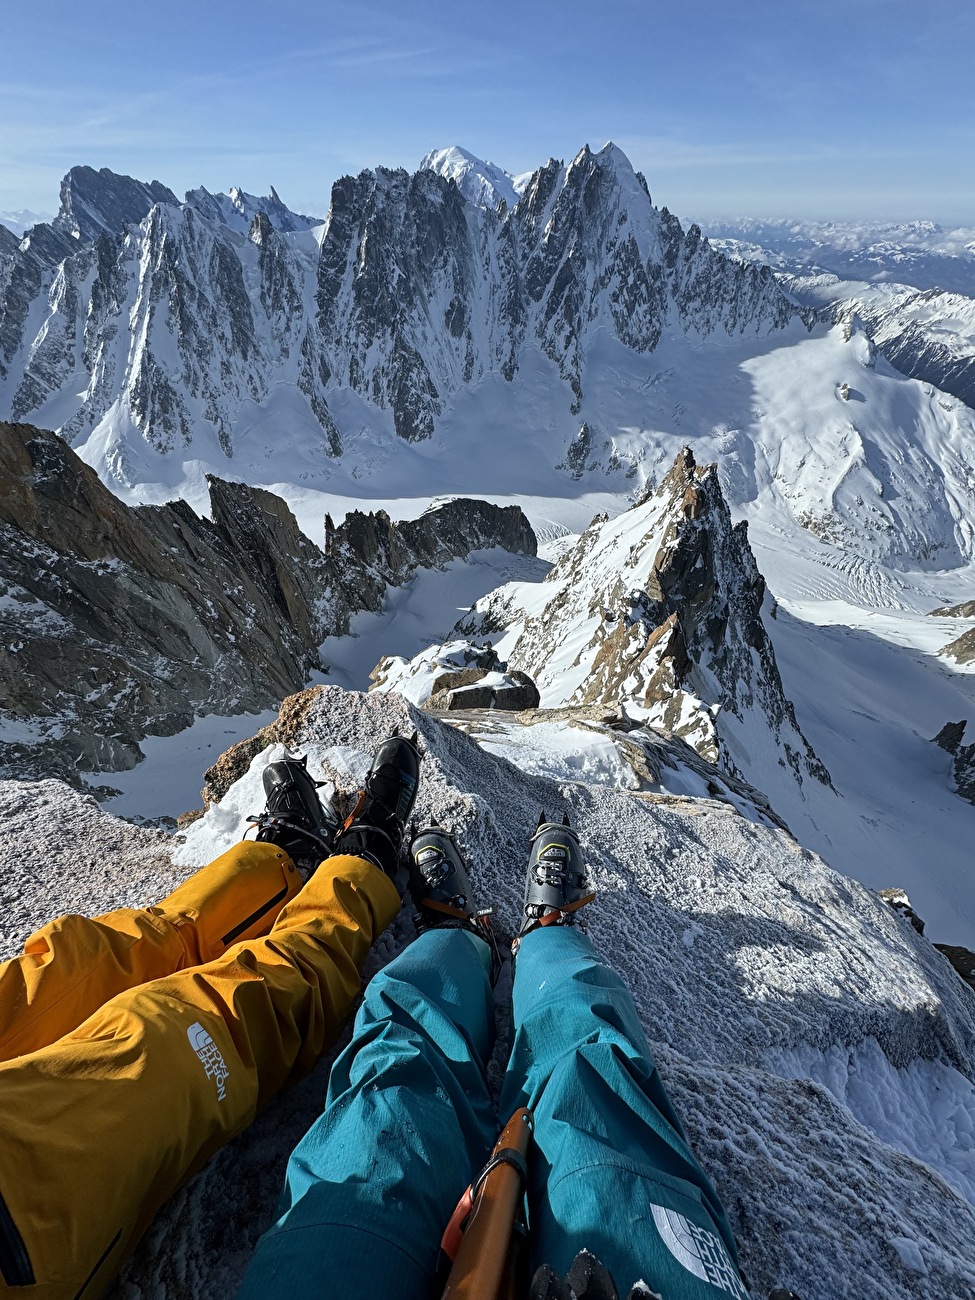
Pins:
x: 556, y: 886
x: 440, y: 886
x: 376, y: 826
x: 294, y: 818
x: 439, y: 881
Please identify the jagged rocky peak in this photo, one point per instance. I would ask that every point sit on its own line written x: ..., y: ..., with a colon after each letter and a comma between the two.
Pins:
x: 659, y: 613
x: 238, y: 210
x: 104, y: 203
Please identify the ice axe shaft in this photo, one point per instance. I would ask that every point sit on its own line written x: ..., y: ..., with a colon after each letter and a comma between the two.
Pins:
x: 479, y: 1234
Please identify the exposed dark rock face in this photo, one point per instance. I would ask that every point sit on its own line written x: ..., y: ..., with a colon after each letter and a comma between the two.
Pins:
x: 962, y: 959
x: 380, y: 553
x: 118, y: 623
x: 659, y: 613
x: 104, y: 203
x: 963, y: 767
x: 9, y: 244
x: 414, y: 294
x: 962, y: 649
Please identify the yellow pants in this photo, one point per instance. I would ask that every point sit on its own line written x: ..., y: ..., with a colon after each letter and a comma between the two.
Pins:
x: 133, y: 1046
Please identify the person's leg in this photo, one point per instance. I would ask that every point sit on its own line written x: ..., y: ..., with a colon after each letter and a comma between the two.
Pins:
x: 611, y: 1170
x: 72, y: 966
x: 408, y: 1121
x: 103, y: 1125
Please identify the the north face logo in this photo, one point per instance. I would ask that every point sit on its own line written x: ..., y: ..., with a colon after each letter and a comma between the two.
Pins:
x: 210, y: 1056
x: 701, y: 1252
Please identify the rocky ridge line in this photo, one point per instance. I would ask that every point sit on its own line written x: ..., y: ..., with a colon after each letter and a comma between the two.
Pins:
x: 659, y: 613
x: 121, y: 622
x: 413, y: 294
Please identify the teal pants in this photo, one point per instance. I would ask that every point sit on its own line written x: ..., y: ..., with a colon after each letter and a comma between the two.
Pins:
x: 408, y: 1122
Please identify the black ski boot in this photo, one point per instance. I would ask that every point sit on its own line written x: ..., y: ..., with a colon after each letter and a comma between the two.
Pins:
x: 294, y: 817
x: 376, y: 826
x: 440, y: 887
x: 556, y: 886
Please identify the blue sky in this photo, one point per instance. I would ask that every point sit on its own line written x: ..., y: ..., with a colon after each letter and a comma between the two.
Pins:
x: 859, y: 108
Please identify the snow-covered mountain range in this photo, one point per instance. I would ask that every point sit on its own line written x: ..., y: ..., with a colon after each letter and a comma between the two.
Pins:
x: 912, y: 285
x: 155, y: 346
x: 921, y: 253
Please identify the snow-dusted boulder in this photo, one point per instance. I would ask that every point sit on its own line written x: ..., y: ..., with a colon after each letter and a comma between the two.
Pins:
x: 818, y: 1049
x: 457, y: 675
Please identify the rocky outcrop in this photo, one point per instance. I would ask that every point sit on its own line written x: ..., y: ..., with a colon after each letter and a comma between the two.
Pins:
x: 659, y: 613
x: 962, y: 649
x: 899, y: 901
x: 122, y: 622
x: 457, y: 676
x: 965, y: 610
x: 949, y: 738
x: 413, y: 294
x: 961, y: 959
x: 512, y: 691
x: 379, y: 553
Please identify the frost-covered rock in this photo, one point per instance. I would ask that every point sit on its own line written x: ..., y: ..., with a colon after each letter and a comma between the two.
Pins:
x: 818, y: 1050
x: 659, y: 613
x: 436, y: 669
